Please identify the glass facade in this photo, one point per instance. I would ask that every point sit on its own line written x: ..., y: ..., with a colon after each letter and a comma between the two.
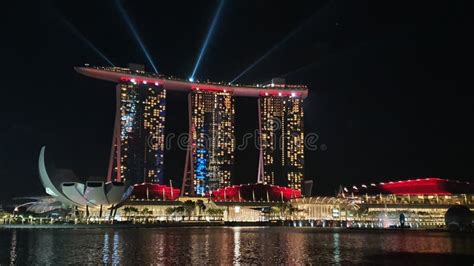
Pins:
x: 213, y: 141
x: 138, y: 147
x: 282, y: 141
x: 382, y: 210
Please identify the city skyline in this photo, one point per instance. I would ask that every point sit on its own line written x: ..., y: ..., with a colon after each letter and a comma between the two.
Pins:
x: 235, y: 132
x: 385, y: 101
x: 138, y: 145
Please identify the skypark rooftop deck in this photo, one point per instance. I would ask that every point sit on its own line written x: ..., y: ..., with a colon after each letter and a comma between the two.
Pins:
x: 118, y: 74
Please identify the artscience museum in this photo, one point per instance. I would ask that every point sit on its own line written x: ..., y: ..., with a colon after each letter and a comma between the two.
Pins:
x: 71, y: 191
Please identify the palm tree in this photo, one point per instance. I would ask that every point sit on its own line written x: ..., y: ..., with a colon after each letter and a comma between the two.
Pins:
x: 134, y: 210
x: 170, y: 210
x: 5, y: 216
x: 180, y: 210
x: 286, y: 209
x: 291, y: 210
x: 211, y: 212
x: 146, y: 211
x: 127, y: 211
x: 283, y: 207
x: 275, y: 211
x: 201, y: 207
x: 189, y: 207
x: 215, y: 212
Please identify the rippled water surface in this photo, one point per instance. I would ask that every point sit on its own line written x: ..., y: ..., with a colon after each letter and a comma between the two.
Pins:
x: 233, y: 245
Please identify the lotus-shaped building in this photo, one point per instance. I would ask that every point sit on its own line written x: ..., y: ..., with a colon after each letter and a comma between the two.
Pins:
x: 67, y: 188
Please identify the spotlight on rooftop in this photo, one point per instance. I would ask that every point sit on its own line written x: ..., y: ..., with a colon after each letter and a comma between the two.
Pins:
x: 208, y: 37
x: 135, y: 34
x: 279, y: 44
x: 87, y: 42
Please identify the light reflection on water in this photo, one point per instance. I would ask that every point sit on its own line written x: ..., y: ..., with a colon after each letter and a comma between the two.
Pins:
x: 13, y: 249
x: 105, y: 249
x: 337, y: 251
x: 230, y: 245
x: 115, y: 251
x: 236, y: 259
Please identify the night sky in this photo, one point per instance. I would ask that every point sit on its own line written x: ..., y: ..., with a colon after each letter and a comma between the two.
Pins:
x: 391, y: 90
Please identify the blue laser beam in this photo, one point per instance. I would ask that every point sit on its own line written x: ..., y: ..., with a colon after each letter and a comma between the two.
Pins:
x: 279, y: 44
x: 275, y: 47
x: 208, y: 37
x: 135, y: 34
x: 323, y: 60
x: 308, y: 66
x: 86, y: 41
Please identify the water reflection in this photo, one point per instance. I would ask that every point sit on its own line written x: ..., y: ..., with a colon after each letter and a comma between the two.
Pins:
x: 337, y: 250
x: 237, y: 246
x: 44, y: 246
x: 115, y: 251
x: 108, y: 256
x: 228, y: 245
x: 195, y: 247
x: 13, y: 249
x: 105, y: 249
x: 206, y: 246
x: 161, y: 246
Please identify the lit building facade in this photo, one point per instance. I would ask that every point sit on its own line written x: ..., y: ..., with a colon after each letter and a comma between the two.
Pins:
x: 210, y: 156
x: 138, y: 142
x: 210, y: 151
x: 423, y: 202
x: 281, y: 140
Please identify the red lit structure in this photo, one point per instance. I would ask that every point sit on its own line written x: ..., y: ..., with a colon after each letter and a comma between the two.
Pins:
x: 151, y: 191
x: 420, y: 186
x: 118, y: 75
x: 253, y: 193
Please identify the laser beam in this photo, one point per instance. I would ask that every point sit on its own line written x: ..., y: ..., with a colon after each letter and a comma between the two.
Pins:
x: 275, y: 47
x: 308, y: 66
x: 135, y: 34
x: 86, y: 41
x: 324, y: 59
x: 279, y: 44
x: 208, y: 37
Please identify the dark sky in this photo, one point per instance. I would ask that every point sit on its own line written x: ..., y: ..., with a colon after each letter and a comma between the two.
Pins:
x: 391, y: 90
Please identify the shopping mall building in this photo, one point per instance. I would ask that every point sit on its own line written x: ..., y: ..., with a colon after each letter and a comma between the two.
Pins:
x: 423, y: 202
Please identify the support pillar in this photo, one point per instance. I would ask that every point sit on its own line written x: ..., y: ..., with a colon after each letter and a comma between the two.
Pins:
x: 188, y: 175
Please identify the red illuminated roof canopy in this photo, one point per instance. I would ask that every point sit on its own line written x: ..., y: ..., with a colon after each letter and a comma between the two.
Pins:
x: 420, y: 186
x: 253, y: 193
x: 150, y: 191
